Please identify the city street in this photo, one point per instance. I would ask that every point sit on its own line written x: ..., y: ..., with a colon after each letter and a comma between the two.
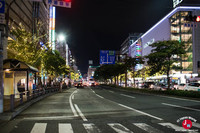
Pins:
x: 95, y: 110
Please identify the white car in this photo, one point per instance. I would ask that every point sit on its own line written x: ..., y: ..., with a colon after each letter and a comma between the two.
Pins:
x: 181, y: 86
x: 192, y: 87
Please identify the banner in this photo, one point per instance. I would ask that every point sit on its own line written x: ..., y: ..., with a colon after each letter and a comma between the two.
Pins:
x: 60, y: 3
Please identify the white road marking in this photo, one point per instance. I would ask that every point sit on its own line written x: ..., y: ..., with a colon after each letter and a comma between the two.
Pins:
x: 127, y: 96
x: 119, y: 128
x: 91, y: 128
x: 180, y: 107
x: 174, y: 127
x: 100, y: 96
x: 80, y: 113
x: 71, y: 105
x: 93, y: 91
x: 147, y: 128
x: 111, y: 91
x: 49, y: 118
x: 39, y: 128
x: 141, y: 112
x: 179, y: 98
x: 65, y: 128
x: 72, y: 97
x: 194, y: 124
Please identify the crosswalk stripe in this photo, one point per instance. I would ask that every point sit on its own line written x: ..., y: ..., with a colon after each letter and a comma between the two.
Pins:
x: 39, y: 128
x: 91, y: 128
x: 65, y: 128
x: 119, y: 128
x: 147, y: 128
x: 172, y: 126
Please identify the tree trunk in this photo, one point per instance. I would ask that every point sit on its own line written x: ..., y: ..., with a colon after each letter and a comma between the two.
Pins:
x: 168, y: 81
x: 126, y: 78
x: 117, y: 80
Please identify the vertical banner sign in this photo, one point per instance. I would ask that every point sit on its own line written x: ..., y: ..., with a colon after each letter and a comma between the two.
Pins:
x: 52, y: 27
x: 50, y: 24
x: 2, y: 11
x: 138, y: 55
x: 107, y: 57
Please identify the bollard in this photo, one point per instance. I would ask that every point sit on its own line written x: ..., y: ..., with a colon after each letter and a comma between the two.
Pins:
x: 12, y: 102
x: 21, y: 98
x: 28, y: 95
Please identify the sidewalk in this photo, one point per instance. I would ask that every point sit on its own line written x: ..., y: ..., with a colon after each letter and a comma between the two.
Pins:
x: 7, y: 116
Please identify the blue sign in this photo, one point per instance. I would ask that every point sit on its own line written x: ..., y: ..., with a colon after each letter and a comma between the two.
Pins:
x: 107, y: 57
x: 2, y: 6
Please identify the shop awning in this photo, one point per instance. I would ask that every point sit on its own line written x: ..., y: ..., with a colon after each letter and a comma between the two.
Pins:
x: 16, y: 65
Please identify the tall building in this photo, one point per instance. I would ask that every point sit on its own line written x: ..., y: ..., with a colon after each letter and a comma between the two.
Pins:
x: 174, y: 27
x: 128, y: 41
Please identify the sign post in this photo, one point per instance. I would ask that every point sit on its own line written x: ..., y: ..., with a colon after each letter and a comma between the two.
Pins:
x: 107, y: 57
x: 2, y: 25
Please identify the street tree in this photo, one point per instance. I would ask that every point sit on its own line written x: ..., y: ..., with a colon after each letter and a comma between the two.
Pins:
x: 54, y: 64
x: 129, y: 65
x: 26, y: 47
x: 163, y: 57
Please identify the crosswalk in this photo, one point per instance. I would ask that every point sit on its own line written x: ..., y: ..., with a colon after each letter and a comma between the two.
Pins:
x: 116, y: 127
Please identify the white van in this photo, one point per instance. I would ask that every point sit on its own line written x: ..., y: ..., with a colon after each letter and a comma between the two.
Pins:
x: 192, y: 87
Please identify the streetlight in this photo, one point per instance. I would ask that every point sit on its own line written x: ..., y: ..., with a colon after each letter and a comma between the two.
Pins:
x: 61, y: 38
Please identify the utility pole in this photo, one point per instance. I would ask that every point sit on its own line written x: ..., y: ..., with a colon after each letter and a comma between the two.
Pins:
x: 2, y: 32
x: 4, y: 29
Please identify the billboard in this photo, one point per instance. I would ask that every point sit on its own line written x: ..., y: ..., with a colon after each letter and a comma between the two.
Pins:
x: 107, y: 57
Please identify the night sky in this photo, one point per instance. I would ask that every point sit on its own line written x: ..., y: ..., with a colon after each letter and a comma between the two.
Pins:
x: 94, y: 25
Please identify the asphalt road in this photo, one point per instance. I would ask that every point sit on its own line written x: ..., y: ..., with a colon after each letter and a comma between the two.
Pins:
x: 99, y: 110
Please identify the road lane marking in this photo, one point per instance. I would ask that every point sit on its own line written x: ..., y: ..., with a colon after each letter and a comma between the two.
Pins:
x: 147, y: 128
x: 127, y: 96
x: 196, y: 124
x: 119, y: 128
x: 65, y: 128
x: 80, y: 113
x: 179, y: 98
x: 91, y: 128
x: 71, y: 105
x: 180, y: 107
x: 100, y: 96
x: 173, y: 126
x: 39, y: 128
x: 72, y: 97
x: 111, y: 91
x: 141, y: 112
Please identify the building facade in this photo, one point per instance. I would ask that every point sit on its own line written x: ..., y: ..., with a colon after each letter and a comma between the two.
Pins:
x: 174, y: 27
x: 129, y: 40
x: 27, y: 13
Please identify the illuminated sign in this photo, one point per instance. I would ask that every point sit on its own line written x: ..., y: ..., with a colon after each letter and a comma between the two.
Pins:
x: 149, y: 42
x: 176, y: 2
x: 138, y: 50
x: 52, y: 27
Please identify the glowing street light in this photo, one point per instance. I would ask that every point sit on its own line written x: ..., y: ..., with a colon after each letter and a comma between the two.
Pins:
x: 61, y: 37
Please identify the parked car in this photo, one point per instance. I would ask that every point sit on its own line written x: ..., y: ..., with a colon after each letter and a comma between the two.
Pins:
x: 159, y: 86
x: 162, y: 86
x: 192, y: 87
x: 181, y: 86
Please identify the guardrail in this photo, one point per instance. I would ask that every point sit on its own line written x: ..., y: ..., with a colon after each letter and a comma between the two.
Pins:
x: 15, y: 100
